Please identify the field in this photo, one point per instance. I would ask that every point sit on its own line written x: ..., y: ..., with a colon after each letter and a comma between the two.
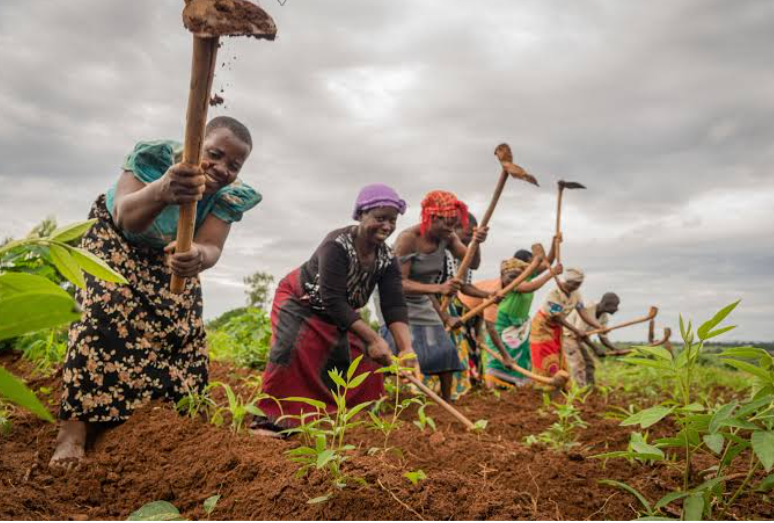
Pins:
x: 160, y: 455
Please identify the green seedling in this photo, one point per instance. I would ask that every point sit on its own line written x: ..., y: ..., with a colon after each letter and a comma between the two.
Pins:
x: 237, y: 408
x: 195, y: 404
x: 563, y: 433
x: 416, y: 476
x: 423, y: 420
x: 324, y: 434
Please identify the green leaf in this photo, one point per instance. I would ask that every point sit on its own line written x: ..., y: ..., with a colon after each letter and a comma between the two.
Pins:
x: 722, y: 414
x: 13, y: 390
x: 693, y: 507
x: 732, y: 453
x: 325, y: 457
x: 335, y: 375
x: 255, y: 411
x: 630, y: 490
x: 210, y: 503
x: 314, y: 403
x: 748, y: 367
x: 714, y: 442
x: 353, y: 367
x: 739, y: 424
x: 718, y: 332
x: 156, y: 511
x: 96, y: 266
x: 659, y: 352
x: 646, y: 418
x: 360, y: 378
x: 71, y: 232
x: 354, y: 410
x: 645, y: 362
x: 29, y: 303
x: 66, y: 265
x: 416, y: 476
x: 749, y: 408
x: 480, y: 425
x: 669, y: 498
x: 749, y: 353
x: 763, y: 446
x: 766, y: 485
x: 705, y: 329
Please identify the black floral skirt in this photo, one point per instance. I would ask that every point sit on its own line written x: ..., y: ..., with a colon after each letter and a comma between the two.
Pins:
x: 134, y: 342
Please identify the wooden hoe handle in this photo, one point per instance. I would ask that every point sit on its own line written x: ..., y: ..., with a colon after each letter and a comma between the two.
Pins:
x: 651, y: 314
x: 538, y: 256
x: 436, y: 398
x: 205, y: 51
x: 557, y: 381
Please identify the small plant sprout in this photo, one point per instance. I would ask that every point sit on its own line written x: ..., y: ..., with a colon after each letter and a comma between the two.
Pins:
x: 423, y: 420
x: 324, y: 434
x: 210, y: 504
x: 237, y: 408
x: 195, y: 403
x: 387, y: 427
x: 480, y: 426
x: 562, y: 434
x: 416, y: 476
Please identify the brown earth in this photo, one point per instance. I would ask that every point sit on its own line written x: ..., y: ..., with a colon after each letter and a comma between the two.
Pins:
x: 159, y: 455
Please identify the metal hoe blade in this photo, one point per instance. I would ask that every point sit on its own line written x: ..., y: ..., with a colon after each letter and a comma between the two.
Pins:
x: 571, y: 185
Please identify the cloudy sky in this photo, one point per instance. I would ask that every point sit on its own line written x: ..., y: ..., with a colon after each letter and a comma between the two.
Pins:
x: 664, y: 109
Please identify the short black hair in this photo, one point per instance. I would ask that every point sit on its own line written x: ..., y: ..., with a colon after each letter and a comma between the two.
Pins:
x: 611, y: 296
x: 472, y: 220
x: 233, y: 125
x: 523, y: 255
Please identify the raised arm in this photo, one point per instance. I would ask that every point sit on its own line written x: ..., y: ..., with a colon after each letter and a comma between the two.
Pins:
x: 458, y: 249
x: 539, y: 282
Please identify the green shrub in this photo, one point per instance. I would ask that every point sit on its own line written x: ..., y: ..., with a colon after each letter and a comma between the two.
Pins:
x: 243, y: 338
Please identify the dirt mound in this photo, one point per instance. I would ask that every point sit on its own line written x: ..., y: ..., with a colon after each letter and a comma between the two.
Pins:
x: 228, y: 18
x: 159, y: 455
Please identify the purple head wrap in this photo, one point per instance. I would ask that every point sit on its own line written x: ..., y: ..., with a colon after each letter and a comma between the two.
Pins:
x: 377, y: 195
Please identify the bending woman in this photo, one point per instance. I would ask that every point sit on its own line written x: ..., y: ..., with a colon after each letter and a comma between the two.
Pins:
x: 138, y: 341
x: 316, y: 326
x: 421, y: 251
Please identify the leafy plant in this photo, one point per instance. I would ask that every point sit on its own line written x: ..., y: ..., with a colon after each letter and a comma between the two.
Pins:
x: 156, y: 511
x: 195, y: 403
x: 30, y: 302
x: 423, y: 420
x: 562, y: 434
x: 46, y: 348
x: 6, y: 424
x: 210, y: 504
x: 237, y: 408
x: 324, y: 434
x: 724, y: 431
x: 387, y: 426
x: 243, y: 339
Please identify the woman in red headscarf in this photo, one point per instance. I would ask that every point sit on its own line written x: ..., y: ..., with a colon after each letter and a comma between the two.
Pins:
x: 421, y: 252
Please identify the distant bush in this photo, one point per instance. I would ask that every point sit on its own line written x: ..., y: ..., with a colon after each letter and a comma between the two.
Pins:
x: 241, y: 337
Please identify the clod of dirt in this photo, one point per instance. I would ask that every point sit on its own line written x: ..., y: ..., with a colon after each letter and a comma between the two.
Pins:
x: 216, y: 100
x: 210, y: 18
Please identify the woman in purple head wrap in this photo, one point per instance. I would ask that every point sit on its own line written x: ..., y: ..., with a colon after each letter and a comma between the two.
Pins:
x: 315, y: 317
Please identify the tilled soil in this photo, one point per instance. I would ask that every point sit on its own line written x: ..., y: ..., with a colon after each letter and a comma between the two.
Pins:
x: 159, y: 455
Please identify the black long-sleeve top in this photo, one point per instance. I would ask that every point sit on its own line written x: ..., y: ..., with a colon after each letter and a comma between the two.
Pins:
x: 337, y: 284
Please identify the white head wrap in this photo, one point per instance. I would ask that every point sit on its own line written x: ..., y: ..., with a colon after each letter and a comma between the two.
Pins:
x: 573, y: 275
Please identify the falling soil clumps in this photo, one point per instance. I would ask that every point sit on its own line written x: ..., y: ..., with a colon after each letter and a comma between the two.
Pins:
x: 216, y: 100
x: 159, y: 455
x: 228, y: 18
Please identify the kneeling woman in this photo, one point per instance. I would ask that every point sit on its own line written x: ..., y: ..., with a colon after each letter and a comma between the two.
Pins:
x: 316, y: 326
x: 138, y: 341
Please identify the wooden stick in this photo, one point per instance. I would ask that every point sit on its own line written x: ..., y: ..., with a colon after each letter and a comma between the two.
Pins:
x: 505, y: 157
x: 436, y: 398
x: 205, y: 51
x: 559, y: 227
x: 537, y: 259
x: 554, y: 382
x: 473, y: 245
x: 651, y: 314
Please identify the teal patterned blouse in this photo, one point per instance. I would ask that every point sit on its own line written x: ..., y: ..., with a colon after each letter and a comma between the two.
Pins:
x: 149, y: 161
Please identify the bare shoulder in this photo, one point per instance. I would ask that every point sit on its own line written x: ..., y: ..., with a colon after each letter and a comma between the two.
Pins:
x: 406, y: 241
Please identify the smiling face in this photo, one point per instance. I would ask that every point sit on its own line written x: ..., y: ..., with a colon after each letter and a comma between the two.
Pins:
x: 378, y: 224
x: 225, y: 154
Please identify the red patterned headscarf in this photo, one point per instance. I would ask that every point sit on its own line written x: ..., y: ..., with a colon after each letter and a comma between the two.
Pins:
x: 442, y: 204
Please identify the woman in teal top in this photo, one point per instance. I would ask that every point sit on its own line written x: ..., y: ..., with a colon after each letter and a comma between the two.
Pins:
x: 512, y: 325
x: 138, y: 341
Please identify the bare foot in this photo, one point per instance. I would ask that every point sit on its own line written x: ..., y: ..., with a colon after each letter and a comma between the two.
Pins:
x: 70, y: 444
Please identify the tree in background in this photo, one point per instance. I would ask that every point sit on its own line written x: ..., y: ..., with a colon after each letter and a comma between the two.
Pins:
x: 258, y: 289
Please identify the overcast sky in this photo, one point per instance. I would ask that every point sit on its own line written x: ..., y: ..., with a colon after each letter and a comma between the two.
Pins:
x: 664, y: 109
